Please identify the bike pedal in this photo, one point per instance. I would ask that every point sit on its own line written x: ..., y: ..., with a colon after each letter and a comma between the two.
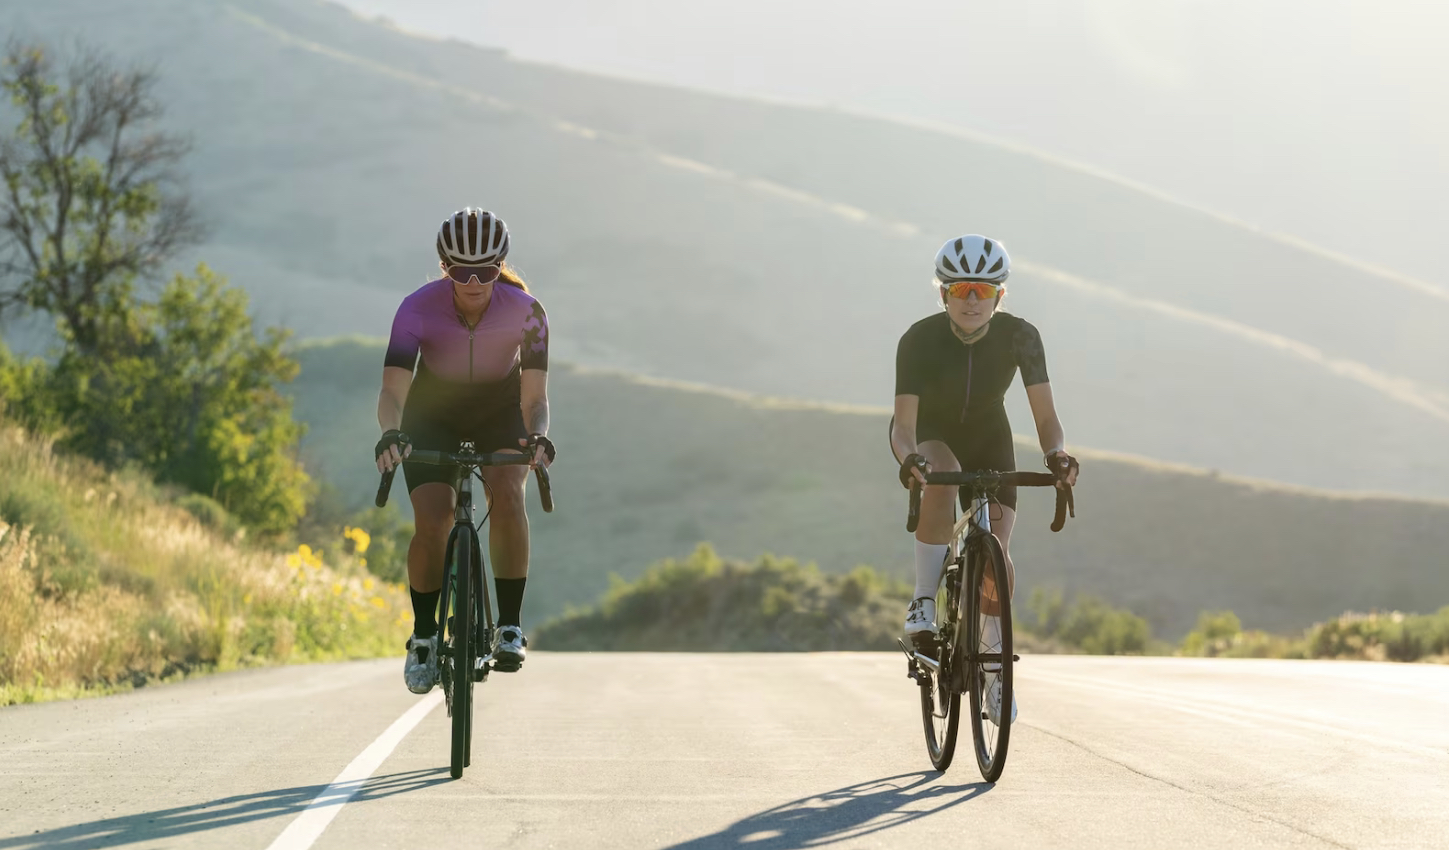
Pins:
x: 925, y: 643
x: 506, y: 666
x: 1015, y: 657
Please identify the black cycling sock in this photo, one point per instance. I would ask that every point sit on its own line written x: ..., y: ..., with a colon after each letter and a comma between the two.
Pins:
x: 510, y: 600
x: 425, y: 612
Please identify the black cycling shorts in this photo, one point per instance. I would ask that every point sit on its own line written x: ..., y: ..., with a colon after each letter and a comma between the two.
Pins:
x: 986, y: 446
x: 438, y: 416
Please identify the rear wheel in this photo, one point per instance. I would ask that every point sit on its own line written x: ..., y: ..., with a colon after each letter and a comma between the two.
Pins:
x: 940, y: 700
x: 461, y: 570
x: 987, y: 660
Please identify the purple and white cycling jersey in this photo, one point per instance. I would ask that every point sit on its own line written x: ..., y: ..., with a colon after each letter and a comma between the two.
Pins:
x: 512, y: 335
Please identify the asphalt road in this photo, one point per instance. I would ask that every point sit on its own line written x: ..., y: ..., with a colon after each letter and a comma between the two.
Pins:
x: 757, y: 751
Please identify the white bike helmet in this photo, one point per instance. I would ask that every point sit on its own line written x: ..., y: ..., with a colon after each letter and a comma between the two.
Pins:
x: 472, y: 237
x: 972, y: 257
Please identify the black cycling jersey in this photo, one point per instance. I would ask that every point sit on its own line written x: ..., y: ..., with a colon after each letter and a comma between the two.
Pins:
x: 962, y: 388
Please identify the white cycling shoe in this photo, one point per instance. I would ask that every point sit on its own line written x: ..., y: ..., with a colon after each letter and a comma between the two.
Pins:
x: 420, y: 670
x: 921, y: 616
x: 993, y: 700
x: 509, y: 647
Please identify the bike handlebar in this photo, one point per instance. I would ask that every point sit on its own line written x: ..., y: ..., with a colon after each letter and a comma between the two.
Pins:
x: 1065, y: 502
x: 436, y: 458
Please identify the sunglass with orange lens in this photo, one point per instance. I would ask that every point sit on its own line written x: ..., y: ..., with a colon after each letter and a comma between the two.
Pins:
x: 465, y: 274
x: 984, y: 291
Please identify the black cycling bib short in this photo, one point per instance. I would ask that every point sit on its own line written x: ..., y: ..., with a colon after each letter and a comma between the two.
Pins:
x: 962, y: 388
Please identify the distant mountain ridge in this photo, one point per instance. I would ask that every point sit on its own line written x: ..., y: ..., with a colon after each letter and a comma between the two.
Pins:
x: 772, y: 248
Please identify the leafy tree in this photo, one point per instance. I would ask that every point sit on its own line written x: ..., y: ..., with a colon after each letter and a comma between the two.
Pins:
x: 190, y: 392
x: 91, y: 204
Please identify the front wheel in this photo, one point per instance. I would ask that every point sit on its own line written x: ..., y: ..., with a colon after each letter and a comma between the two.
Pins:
x: 461, y: 571
x: 986, y: 654
x: 940, y: 698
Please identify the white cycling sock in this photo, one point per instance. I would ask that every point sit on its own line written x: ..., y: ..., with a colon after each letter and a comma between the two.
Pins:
x: 930, y: 561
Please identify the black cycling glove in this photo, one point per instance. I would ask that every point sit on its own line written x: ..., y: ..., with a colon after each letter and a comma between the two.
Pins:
x: 391, y: 437
x: 912, y: 461
x: 541, y: 440
x: 1062, y: 465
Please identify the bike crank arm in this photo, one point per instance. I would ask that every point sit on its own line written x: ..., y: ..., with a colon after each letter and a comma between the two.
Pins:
x: 989, y: 657
x: 918, y: 661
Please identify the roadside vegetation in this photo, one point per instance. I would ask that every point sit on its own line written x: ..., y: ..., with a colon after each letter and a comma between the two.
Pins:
x: 706, y: 603
x: 155, y: 516
x: 1376, y: 636
x: 108, y: 580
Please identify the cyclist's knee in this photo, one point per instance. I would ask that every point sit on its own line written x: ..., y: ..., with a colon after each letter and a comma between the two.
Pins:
x: 508, y: 498
x: 432, y: 528
x: 939, y: 455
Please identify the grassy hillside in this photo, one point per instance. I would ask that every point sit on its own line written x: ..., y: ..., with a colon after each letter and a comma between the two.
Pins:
x: 105, y: 582
x: 648, y: 469
x: 772, y: 248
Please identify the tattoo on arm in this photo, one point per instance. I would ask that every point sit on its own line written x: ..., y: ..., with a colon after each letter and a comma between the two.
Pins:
x: 536, y: 417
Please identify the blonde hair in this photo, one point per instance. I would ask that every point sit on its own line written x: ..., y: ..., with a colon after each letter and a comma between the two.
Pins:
x: 511, y: 277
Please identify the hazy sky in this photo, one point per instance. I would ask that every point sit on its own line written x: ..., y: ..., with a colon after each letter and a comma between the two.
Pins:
x: 1321, y: 119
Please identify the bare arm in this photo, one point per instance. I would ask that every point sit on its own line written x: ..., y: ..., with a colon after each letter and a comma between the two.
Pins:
x: 903, y: 430
x: 1044, y: 411
x: 396, y: 381
x: 533, y: 398
x: 1049, y: 430
x: 903, y: 427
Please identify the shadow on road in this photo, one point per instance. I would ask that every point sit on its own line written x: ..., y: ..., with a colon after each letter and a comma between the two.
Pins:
x: 227, y: 811
x: 842, y: 814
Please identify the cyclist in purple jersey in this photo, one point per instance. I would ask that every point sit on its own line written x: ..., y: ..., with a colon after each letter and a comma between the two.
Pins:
x: 467, y: 360
x: 952, y: 373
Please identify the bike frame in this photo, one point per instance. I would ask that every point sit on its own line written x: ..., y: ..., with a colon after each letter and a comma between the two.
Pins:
x: 974, y: 522
x: 483, y: 602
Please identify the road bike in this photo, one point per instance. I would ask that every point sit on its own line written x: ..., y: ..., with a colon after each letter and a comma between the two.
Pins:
x: 960, y: 658
x: 465, y: 636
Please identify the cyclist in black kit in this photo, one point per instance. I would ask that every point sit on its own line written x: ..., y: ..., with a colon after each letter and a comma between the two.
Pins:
x: 952, y: 373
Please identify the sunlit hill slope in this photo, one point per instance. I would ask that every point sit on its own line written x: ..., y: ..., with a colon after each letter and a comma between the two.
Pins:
x: 771, y: 248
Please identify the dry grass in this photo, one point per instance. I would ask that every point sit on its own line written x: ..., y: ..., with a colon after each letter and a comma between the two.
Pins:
x: 104, y: 584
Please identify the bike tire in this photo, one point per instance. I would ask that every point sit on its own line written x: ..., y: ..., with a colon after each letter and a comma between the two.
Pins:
x: 940, y: 700
x: 464, y: 548
x: 482, y: 640
x: 990, y: 740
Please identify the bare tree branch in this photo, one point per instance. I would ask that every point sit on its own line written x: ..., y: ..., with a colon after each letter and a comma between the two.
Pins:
x: 93, y: 197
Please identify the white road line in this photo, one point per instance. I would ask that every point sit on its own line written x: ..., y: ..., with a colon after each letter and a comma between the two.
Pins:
x: 307, y: 828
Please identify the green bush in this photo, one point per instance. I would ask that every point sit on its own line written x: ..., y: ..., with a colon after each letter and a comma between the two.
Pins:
x: 1087, y: 624
x: 184, y: 388
x: 208, y: 512
x: 1214, y: 633
x: 705, y: 603
x: 1381, y: 637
